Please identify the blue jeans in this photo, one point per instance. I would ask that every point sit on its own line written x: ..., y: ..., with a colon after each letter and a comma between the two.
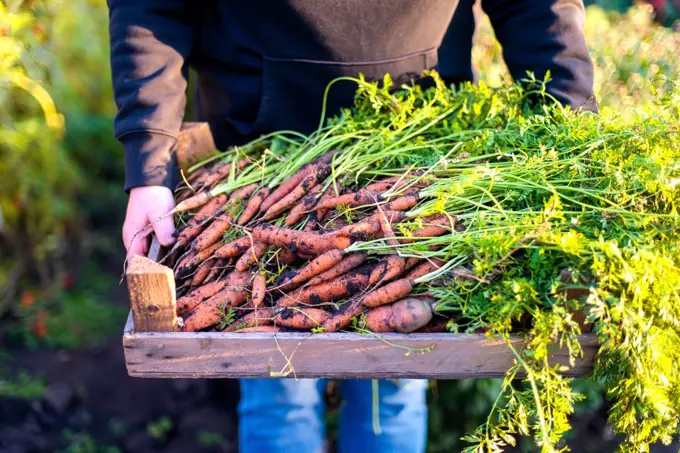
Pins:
x: 286, y: 415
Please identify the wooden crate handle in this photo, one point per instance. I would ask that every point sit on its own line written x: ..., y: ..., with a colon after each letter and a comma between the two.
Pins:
x: 194, y: 143
x: 151, y: 287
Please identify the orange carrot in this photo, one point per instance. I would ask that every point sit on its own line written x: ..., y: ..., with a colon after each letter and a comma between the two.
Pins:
x: 434, y: 226
x: 260, y: 329
x: 223, y: 171
x: 214, y: 232
x: 387, y: 269
x: 285, y: 256
x: 259, y: 290
x: 258, y: 317
x: 307, y: 183
x: 196, y: 224
x: 343, y: 317
x: 320, y: 214
x: 242, y: 193
x: 202, y: 272
x: 306, y: 204
x: 360, y: 198
x: 343, y: 286
x: 217, y: 269
x: 191, y: 203
x: 380, y: 186
x: 301, y: 318
x: 294, y: 180
x: 348, y: 263
x: 185, y: 260
x: 251, y: 256
x: 402, y: 203
x: 208, y: 312
x: 405, y: 315
x: 428, y: 266
x: 253, y: 206
x: 320, y: 264
x: 388, y: 293
x: 234, y: 248
x: 299, y: 241
x: 187, y: 303
x: 386, y: 227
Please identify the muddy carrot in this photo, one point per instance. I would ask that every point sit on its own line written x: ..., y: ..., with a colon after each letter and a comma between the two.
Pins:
x: 360, y: 198
x: 386, y: 227
x: 387, y: 269
x: 202, y: 272
x: 348, y: 263
x: 196, y: 224
x: 301, y: 318
x: 187, y: 303
x: 286, y: 256
x: 389, y: 293
x: 219, y: 226
x: 258, y: 317
x: 223, y: 171
x: 342, y: 317
x: 191, y: 203
x: 315, y: 267
x: 251, y: 256
x: 306, y: 204
x: 405, y: 315
x: 327, y: 195
x: 434, y: 226
x: 260, y: 329
x: 402, y: 203
x: 234, y: 248
x: 343, y: 286
x: 217, y: 269
x: 428, y: 266
x: 299, y: 241
x: 208, y: 312
x: 299, y: 191
x: 259, y: 290
x: 253, y: 206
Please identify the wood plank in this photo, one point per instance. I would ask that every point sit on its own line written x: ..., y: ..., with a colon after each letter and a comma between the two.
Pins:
x: 336, y: 355
x: 194, y: 143
x: 151, y: 288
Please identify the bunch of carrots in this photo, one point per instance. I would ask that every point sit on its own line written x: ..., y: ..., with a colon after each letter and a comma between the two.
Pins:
x: 269, y: 259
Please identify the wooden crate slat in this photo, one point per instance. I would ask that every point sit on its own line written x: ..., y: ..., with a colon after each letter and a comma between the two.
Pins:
x: 337, y: 355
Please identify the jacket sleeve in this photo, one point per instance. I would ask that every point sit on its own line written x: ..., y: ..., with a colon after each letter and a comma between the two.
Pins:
x: 546, y: 35
x: 150, y: 43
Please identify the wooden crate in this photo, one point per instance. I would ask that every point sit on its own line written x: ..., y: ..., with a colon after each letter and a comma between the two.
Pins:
x: 155, y: 349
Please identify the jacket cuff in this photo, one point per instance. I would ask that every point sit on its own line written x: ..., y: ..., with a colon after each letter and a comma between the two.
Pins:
x: 149, y: 160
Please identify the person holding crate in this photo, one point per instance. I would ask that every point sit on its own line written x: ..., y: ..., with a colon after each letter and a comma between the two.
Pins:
x: 263, y: 66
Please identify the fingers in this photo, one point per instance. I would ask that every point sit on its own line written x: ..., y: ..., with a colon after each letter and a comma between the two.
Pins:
x: 164, y: 230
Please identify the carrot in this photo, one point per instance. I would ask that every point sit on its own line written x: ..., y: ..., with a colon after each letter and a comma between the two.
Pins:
x: 253, y: 206
x: 234, y: 248
x: 295, y: 180
x: 301, y: 318
x: 203, y: 271
x: 217, y: 269
x: 380, y: 186
x: 344, y: 286
x: 387, y: 269
x: 320, y: 214
x: 320, y: 264
x: 402, y: 203
x: 434, y: 226
x: 370, y: 225
x: 184, y: 261
x: 208, y: 312
x: 259, y: 290
x: 260, y: 329
x: 405, y: 315
x: 187, y: 303
x: 386, y: 227
x: 293, y: 196
x: 342, y: 317
x: 425, y: 268
x: 251, y: 256
x: 411, y: 262
x: 285, y: 256
x: 388, y: 293
x: 193, y: 202
x: 214, y: 232
x: 242, y: 193
x: 348, y: 263
x: 360, y: 198
x: 259, y: 317
x: 223, y: 171
x: 306, y: 204
x: 196, y: 224
x: 299, y: 241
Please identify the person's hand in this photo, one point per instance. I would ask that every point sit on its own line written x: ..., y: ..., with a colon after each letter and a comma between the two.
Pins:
x: 146, y: 205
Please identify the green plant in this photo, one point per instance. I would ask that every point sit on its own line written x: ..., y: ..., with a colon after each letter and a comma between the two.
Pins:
x: 209, y: 439
x: 23, y: 385
x: 159, y: 429
x: 84, y: 443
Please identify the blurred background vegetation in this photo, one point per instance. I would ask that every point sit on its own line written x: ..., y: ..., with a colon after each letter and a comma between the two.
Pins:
x: 61, y: 197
